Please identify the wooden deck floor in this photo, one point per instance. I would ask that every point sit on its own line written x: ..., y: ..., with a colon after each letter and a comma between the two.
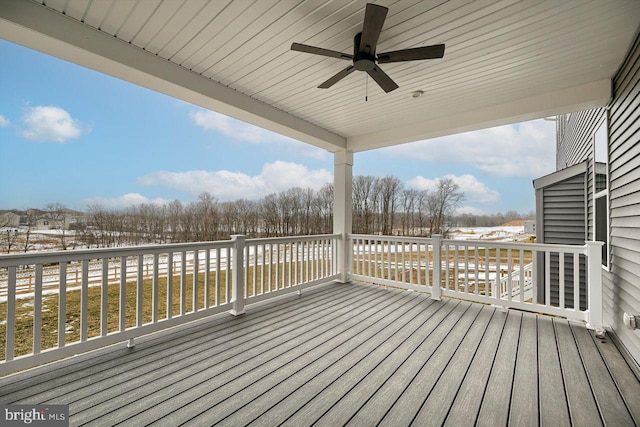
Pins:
x: 348, y: 355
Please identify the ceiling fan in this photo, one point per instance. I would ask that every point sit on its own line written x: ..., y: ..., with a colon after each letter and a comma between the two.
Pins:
x: 364, y: 56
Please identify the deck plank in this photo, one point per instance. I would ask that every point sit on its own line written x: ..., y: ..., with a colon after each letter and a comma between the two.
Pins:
x: 436, y: 407
x: 611, y: 405
x: 230, y: 332
x: 348, y: 354
x: 468, y: 399
x: 497, y: 397
x: 423, y: 355
x: 259, y: 410
x: 525, y: 394
x: 189, y: 385
x: 355, y: 341
x: 624, y: 376
x: 553, y: 400
x: 435, y: 371
x: 340, y: 384
x: 582, y: 405
x: 152, y: 352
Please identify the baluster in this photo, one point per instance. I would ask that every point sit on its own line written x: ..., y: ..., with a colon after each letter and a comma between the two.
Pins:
x: 37, y: 311
x: 523, y: 287
x: 466, y: 268
x: 62, y: 305
x: 155, y: 284
x: 196, y: 280
x: 170, y: 273
x: 547, y: 277
x: 576, y: 282
x: 509, y: 280
x: 11, y: 314
x: 84, y: 302
x: 207, y: 278
x: 183, y: 283
x: 104, y: 298
x: 561, y: 279
x: 123, y: 293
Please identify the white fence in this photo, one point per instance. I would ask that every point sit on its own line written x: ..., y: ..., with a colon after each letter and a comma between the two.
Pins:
x: 58, y: 304
x: 497, y: 273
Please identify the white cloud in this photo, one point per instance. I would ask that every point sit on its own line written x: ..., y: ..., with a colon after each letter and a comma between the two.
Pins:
x: 4, y: 121
x: 125, y: 201
x: 524, y: 150
x: 474, y: 190
x: 236, y: 129
x: 51, y: 124
x: 226, y: 185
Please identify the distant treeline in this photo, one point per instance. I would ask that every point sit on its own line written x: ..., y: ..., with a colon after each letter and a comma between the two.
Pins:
x: 380, y: 206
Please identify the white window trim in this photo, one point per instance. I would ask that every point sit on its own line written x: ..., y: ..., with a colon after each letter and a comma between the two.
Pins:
x: 603, y: 193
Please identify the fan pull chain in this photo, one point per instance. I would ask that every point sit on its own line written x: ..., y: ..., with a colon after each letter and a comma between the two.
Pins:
x: 366, y: 88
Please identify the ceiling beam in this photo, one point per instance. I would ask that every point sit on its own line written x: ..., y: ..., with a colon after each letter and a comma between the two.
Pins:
x: 37, y: 27
x: 581, y: 97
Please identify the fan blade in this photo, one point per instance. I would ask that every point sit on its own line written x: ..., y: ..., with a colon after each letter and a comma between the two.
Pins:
x: 383, y: 80
x: 418, y: 53
x: 374, y: 17
x: 320, y: 51
x: 335, y: 79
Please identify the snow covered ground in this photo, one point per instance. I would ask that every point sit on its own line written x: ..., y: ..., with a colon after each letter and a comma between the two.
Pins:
x: 495, y: 234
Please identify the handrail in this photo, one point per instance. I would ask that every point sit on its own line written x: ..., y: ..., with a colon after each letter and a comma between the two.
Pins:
x: 153, y: 288
x: 470, y: 269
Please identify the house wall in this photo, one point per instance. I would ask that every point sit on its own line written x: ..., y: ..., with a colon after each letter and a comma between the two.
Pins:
x: 621, y: 281
x: 560, y: 211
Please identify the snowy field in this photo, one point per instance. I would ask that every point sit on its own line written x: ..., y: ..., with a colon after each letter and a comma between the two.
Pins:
x: 495, y: 234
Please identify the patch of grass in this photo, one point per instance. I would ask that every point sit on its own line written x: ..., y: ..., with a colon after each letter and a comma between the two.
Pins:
x: 282, y: 274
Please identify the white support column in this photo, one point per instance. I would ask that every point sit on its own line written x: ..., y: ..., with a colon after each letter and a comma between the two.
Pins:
x: 342, y: 210
x: 594, y: 286
x: 436, y: 285
x: 237, y: 286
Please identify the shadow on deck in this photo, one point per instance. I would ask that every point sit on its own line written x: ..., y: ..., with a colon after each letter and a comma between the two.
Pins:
x: 348, y: 354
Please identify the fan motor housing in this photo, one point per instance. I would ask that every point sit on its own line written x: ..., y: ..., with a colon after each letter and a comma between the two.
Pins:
x: 362, y: 61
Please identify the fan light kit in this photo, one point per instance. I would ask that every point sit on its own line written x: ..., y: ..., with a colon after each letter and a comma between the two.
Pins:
x: 364, y: 56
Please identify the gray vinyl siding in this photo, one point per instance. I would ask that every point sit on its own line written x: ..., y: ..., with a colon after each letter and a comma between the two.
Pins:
x: 622, y: 281
x: 576, y: 145
x: 561, y: 214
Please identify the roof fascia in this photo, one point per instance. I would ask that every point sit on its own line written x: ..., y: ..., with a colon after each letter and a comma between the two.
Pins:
x: 561, y: 175
x: 581, y: 97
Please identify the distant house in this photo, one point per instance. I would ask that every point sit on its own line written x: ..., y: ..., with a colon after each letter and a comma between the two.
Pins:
x: 530, y: 227
x: 595, y: 195
x: 47, y: 223
x: 9, y: 219
x: 43, y: 224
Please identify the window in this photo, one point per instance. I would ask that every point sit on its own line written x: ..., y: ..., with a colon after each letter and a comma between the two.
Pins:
x: 601, y: 189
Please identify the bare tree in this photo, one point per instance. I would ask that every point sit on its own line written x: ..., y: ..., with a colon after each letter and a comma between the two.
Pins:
x: 30, y: 218
x: 389, y: 188
x: 409, y: 199
x: 365, y: 203
x: 442, y: 203
x: 57, y: 216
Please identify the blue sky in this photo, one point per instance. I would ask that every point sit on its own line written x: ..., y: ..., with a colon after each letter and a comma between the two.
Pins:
x: 77, y: 137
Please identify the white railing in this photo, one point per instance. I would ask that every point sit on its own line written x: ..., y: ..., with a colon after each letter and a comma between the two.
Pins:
x: 519, y: 281
x: 58, y: 304
x: 488, y: 272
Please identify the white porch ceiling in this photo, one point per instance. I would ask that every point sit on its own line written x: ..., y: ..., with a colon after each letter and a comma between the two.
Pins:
x: 506, y: 60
